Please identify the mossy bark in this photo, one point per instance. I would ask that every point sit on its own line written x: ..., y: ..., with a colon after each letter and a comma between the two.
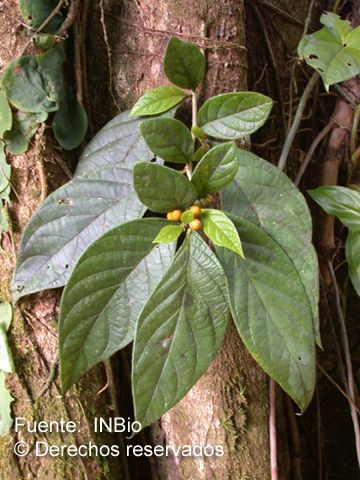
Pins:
x: 33, y: 333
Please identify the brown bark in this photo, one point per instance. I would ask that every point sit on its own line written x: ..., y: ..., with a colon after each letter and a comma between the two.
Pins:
x: 33, y: 333
x: 229, y: 404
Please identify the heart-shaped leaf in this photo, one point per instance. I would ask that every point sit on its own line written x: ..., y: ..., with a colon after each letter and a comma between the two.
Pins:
x: 168, y: 138
x: 271, y: 311
x: 234, y: 115
x: 26, y: 85
x: 334, y: 51
x: 5, y: 114
x: 68, y: 221
x: 179, y: 331
x: 162, y: 189
x: 216, y: 169
x: 70, y: 122
x: 342, y: 202
x: 221, y: 230
x: 106, y: 292
x: 184, y: 64
x: 265, y: 196
x: 51, y: 65
x: 168, y: 234
x: 158, y: 100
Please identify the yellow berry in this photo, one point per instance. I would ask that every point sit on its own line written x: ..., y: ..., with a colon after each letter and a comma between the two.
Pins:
x: 169, y: 216
x: 176, y: 214
x: 196, y: 210
x: 195, y: 224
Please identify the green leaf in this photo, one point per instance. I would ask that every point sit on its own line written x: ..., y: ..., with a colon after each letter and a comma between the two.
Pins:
x: 168, y: 138
x: 6, y: 315
x: 234, y: 115
x: 5, y: 407
x: 51, y: 65
x: 6, y: 359
x: 45, y: 41
x: 265, y: 196
x: 80, y: 210
x: 271, y: 311
x: 221, y: 230
x: 334, y: 51
x: 342, y: 202
x: 5, y: 114
x: 162, y: 189
x: 352, y: 252
x: 187, y: 216
x: 198, y: 133
x: 184, y: 64
x: 105, y: 294
x: 119, y: 141
x: 158, y: 100
x: 200, y: 152
x: 68, y: 221
x: 216, y: 169
x: 5, y: 171
x: 168, y: 234
x: 70, y: 122
x: 24, y: 127
x: 35, y: 12
x: 4, y: 224
x: 26, y: 85
x: 179, y: 331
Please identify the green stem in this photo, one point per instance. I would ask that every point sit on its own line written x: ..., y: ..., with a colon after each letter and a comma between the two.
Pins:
x: 336, y: 6
x: 298, y: 115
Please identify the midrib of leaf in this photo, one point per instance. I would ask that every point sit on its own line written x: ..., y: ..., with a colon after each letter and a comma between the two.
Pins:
x: 113, y: 287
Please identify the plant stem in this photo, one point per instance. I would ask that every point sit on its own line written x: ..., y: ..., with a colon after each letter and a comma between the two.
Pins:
x: 298, y: 115
x: 194, y: 110
x: 354, y: 129
x: 272, y: 431
x: 311, y: 151
x: 350, y: 374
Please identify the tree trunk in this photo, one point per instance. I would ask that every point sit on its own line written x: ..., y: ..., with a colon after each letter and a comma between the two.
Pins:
x: 229, y: 404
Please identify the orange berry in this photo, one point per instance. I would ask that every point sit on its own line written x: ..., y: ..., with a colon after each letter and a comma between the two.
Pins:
x: 196, y: 210
x: 169, y: 216
x: 195, y: 224
x: 176, y: 214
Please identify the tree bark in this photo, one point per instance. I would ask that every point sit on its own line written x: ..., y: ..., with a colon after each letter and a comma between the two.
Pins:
x: 229, y: 404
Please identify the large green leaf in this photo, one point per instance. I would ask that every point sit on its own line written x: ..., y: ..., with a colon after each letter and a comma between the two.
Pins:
x: 342, y: 202
x: 70, y: 122
x: 5, y: 114
x: 118, y: 141
x: 234, y: 115
x: 35, y: 12
x: 184, y: 64
x: 334, y: 51
x: 162, y: 189
x: 179, y: 330
x: 105, y: 294
x: 26, y: 85
x: 168, y: 234
x: 158, y: 100
x: 220, y: 229
x: 265, y: 196
x: 168, y: 138
x: 68, y: 221
x: 5, y: 407
x: 352, y: 251
x: 271, y: 310
x: 216, y: 169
